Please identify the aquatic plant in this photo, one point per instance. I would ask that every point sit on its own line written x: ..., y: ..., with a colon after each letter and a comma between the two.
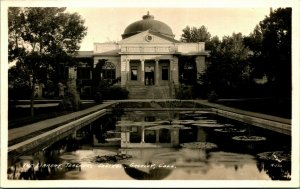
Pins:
x: 278, y: 156
x: 199, y: 145
x: 249, y: 138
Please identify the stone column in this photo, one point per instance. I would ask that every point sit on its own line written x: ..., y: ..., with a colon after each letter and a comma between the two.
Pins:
x: 157, y: 136
x: 143, y: 135
x: 156, y: 72
x: 175, y: 70
x: 201, y: 135
x: 200, y: 64
x: 143, y: 71
x: 124, y: 71
x: 175, y: 137
x: 128, y: 69
x: 125, y: 139
x: 74, y: 134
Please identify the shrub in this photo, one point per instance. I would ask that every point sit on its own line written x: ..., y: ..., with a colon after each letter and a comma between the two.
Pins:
x: 212, y: 96
x: 98, y: 97
x: 115, y: 93
x: 184, y: 93
x: 70, y: 102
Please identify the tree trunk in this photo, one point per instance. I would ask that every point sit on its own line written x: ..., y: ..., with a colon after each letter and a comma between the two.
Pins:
x: 32, y: 100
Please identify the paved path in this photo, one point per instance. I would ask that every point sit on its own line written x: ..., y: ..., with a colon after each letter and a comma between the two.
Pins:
x: 16, y: 133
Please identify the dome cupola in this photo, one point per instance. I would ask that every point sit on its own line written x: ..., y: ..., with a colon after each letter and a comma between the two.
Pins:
x: 148, y: 23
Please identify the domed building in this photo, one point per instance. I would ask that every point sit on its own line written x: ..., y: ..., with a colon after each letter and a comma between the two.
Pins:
x: 148, y: 23
x: 148, y: 61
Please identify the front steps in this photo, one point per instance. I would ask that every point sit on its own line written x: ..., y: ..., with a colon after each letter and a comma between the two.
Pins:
x: 149, y: 92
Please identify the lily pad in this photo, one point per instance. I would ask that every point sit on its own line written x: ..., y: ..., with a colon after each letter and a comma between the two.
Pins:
x: 126, y: 124
x: 67, y: 157
x: 113, y: 132
x: 249, y: 138
x: 199, y: 145
x: 205, y: 121
x: 279, y: 156
x: 210, y: 125
x: 170, y: 127
x: 158, y: 127
x: 112, y: 139
x: 162, y: 122
x: 183, y: 122
x: 230, y: 130
x: 185, y: 128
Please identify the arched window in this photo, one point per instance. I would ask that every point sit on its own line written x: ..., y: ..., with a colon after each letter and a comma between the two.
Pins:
x: 109, y: 71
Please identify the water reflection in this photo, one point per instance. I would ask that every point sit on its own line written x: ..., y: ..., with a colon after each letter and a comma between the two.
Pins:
x: 276, y: 171
x: 75, y: 157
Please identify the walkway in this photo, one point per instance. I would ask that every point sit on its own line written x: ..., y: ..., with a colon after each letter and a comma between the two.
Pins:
x: 17, y: 134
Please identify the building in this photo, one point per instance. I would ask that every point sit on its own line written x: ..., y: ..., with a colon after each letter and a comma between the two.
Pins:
x: 148, y: 61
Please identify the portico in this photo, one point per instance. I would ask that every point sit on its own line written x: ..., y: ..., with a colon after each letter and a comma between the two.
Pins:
x: 147, y: 72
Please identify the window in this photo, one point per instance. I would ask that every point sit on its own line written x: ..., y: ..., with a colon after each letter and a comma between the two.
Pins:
x: 109, y: 74
x: 109, y: 71
x: 134, y: 73
x: 165, y: 73
x: 189, y: 73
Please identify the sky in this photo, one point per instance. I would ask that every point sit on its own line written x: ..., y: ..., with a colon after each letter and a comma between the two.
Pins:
x: 108, y: 24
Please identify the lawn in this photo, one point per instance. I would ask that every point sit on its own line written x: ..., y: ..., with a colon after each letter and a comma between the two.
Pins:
x: 18, y: 117
x: 280, y: 107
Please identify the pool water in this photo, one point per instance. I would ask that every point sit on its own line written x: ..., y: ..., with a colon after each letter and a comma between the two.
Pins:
x: 209, y: 147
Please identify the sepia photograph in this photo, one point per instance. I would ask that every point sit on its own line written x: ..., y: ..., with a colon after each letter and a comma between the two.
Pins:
x: 177, y: 94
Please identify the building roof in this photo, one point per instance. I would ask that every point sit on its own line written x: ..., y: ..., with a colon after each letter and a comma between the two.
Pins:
x: 114, y: 52
x: 84, y: 54
x: 148, y: 23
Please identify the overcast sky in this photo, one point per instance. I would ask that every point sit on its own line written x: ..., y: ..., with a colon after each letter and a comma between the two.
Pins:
x: 107, y: 24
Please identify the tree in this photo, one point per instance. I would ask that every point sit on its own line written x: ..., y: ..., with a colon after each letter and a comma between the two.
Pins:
x: 40, y: 39
x: 254, y: 43
x: 270, y: 43
x: 228, y: 68
x: 276, y: 48
x: 193, y: 35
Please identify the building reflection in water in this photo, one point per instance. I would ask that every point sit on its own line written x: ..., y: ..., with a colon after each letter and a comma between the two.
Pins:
x: 166, y: 162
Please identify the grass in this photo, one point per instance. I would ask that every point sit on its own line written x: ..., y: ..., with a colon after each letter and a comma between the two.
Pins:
x: 280, y: 107
x: 18, y: 117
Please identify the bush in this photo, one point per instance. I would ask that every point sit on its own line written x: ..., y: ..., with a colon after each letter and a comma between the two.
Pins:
x: 184, y: 93
x: 70, y: 102
x: 98, y: 97
x: 19, y: 93
x: 115, y: 93
x: 212, y: 96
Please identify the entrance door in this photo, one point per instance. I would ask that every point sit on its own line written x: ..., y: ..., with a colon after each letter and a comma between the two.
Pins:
x: 149, y: 75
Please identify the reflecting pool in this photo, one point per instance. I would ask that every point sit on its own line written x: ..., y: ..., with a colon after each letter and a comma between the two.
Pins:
x: 155, y: 145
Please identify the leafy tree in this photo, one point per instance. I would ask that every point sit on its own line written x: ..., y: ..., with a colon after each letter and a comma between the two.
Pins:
x: 276, y: 48
x: 228, y: 68
x: 40, y: 39
x: 193, y: 35
x: 254, y: 43
x: 270, y: 43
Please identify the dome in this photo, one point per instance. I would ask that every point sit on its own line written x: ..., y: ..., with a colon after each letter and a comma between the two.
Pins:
x: 148, y: 23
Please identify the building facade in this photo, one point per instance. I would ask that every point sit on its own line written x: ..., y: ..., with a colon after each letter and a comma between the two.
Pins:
x: 148, y: 61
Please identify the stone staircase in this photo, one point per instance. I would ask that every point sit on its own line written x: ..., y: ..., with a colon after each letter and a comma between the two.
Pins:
x: 149, y: 92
